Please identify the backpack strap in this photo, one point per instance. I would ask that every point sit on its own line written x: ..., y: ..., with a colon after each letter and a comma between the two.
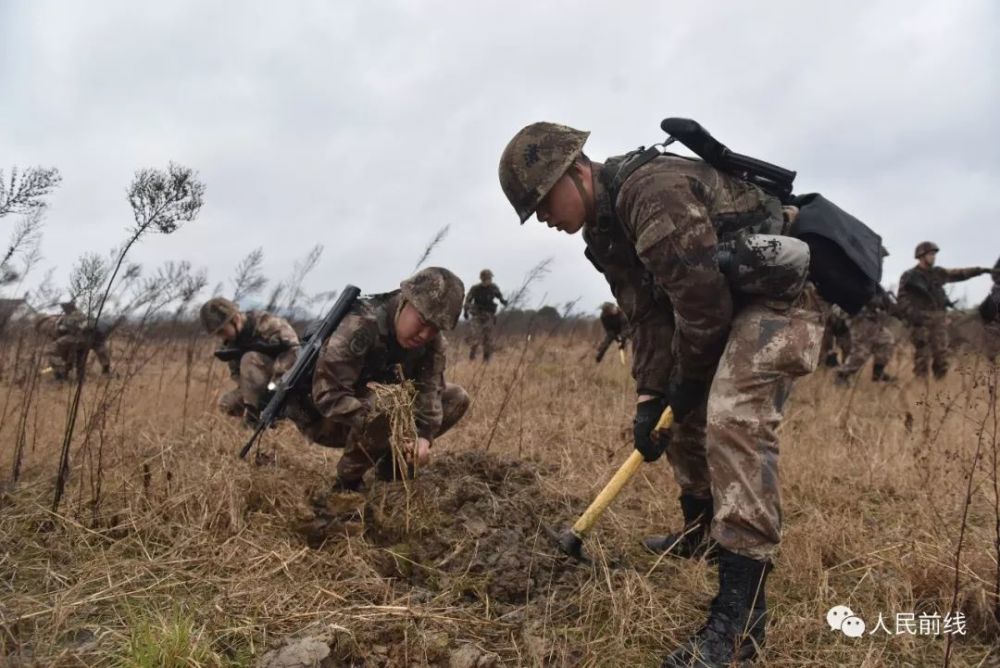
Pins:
x: 617, y: 170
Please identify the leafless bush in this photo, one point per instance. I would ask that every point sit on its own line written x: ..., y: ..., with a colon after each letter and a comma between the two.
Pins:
x: 248, y: 279
x: 161, y: 201
x: 24, y: 191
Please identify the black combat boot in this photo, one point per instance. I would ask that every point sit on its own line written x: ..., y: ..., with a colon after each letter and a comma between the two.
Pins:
x: 736, y: 619
x: 693, y: 541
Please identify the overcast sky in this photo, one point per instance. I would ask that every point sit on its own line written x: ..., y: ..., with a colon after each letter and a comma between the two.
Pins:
x: 367, y: 126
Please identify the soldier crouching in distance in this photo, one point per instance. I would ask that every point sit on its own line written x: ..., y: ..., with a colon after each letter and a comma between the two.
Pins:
x: 258, y: 347
x: 386, y: 338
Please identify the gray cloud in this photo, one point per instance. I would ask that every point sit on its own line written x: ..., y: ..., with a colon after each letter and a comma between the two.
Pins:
x: 369, y: 126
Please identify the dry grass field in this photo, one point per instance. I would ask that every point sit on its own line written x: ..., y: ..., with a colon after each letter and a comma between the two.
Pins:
x: 169, y: 551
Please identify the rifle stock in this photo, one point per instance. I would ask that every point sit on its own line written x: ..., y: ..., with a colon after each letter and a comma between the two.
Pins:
x: 304, y: 364
x: 769, y: 177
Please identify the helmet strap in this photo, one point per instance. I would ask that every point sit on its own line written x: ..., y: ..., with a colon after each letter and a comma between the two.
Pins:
x: 578, y: 182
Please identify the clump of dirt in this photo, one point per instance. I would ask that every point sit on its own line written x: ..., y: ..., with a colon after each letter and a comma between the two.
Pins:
x: 470, y: 524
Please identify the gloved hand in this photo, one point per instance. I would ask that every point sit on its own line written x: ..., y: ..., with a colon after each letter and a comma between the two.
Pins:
x: 686, y: 395
x: 647, y: 414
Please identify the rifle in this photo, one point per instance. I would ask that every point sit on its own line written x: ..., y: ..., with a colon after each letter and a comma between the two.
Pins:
x: 770, y: 178
x: 232, y: 353
x: 304, y: 365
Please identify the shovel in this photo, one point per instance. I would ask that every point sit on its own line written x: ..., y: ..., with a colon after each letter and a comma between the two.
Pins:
x: 570, y: 541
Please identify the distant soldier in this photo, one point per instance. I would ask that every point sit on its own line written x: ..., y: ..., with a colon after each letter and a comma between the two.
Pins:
x: 924, y: 303
x: 870, y: 337
x: 73, y: 335
x: 481, y: 304
x: 386, y: 338
x: 258, y: 347
x: 837, y: 335
x: 989, y: 311
x: 615, y: 325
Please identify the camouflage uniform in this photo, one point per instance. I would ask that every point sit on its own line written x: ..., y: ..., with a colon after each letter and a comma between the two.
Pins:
x: 253, y: 371
x: 72, y: 337
x: 661, y: 264
x: 924, y: 302
x: 989, y: 310
x: 614, y: 323
x: 870, y: 337
x: 673, y: 241
x: 836, y: 335
x: 363, y: 349
x: 480, y: 305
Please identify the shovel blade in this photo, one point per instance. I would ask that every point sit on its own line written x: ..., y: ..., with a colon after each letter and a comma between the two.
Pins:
x: 568, y: 543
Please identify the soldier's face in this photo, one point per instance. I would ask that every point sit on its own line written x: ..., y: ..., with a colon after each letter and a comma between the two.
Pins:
x: 231, y: 329
x: 563, y: 208
x: 412, y: 331
x: 228, y: 331
x: 928, y: 259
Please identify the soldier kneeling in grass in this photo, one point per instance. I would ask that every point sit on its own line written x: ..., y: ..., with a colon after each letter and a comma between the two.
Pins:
x: 387, y: 338
x: 258, y: 347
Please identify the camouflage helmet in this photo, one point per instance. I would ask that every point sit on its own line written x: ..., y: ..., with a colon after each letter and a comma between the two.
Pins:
x: 609, y: 307
x: 485, y: 275
x: 216, y: 313
x: 534, y: 160
x: 437, y: 294
x: 925, y: 247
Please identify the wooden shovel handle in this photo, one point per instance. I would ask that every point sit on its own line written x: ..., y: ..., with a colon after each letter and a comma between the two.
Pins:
x: 618, y: 480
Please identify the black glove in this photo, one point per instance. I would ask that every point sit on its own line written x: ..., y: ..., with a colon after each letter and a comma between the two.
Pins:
x: 647, y: 414
x: 686, y: 395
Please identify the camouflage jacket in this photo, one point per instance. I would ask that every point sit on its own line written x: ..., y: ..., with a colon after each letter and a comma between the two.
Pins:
x: 482, y: 298
x: 923, y: 289
x: 364, y: 349
x: 657, y: 248
x: 989, y: 310
x: 614, y: 323
x: 264, y: 327
x: 71, y: 324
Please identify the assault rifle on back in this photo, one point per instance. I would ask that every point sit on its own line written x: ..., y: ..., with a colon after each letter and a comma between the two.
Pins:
x: 304, y: 365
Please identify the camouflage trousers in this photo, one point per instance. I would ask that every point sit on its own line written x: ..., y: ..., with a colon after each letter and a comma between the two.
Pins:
x: 256, y: 371
x: 482, y: 334
x: 606, y: 343
x: 930, y: 342
x: 831, y: 342
x: 871, y: 338
x: 67, y: 353
x: 728, y: 449
x: 365, y: 446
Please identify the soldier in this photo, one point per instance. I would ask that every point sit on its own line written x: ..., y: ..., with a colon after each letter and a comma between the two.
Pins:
x: 989, y: 311
x: 386, y: 338
x: 481, y: 304
x: 614, y: 323
x: 258, y: 347
x: 870, y: 336
x: 836, y: 335
x: 72, y: 337
x: 656, y: 243
x: 924, y: 302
